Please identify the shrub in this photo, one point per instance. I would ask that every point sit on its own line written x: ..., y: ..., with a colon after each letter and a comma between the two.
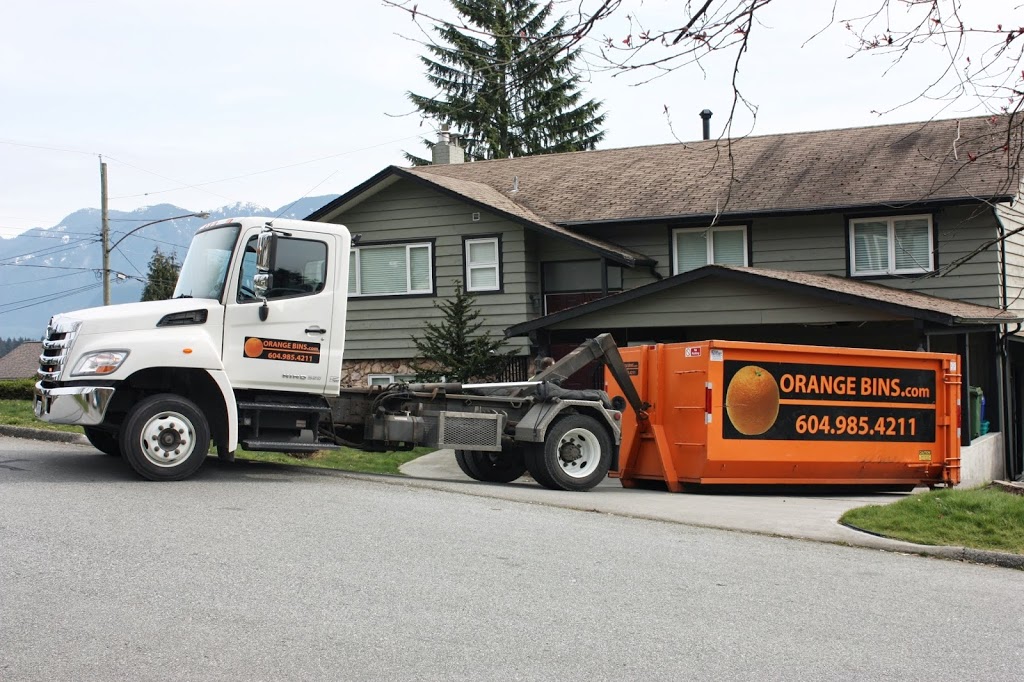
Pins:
x: 16, y: 389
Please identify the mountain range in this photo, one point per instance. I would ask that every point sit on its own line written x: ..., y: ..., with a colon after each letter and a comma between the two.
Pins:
x: 45, y: 271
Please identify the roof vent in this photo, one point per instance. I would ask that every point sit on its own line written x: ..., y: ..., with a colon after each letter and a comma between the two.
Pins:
x: 706, y: 116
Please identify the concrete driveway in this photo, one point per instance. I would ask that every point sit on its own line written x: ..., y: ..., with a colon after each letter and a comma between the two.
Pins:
x: 782, y: 512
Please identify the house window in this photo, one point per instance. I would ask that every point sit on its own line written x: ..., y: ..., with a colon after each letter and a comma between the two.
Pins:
x: 891, y: 246
x: 483, y: 271
x: 695, y: 247
x: 391, y: 270
x: 388, y: 379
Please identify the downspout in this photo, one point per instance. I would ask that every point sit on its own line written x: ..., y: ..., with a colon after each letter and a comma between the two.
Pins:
x: 1009, y: 425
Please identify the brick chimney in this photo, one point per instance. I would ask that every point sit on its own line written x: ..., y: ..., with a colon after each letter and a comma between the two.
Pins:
x: 447, y: 149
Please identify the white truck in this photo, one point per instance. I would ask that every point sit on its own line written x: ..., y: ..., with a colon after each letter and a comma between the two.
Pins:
x: 249, y: 351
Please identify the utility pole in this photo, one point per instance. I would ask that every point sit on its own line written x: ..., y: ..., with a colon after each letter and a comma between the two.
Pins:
x: 105, y: 233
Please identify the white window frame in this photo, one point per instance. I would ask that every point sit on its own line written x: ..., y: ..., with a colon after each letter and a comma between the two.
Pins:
x: 890, y: 268
x: 496, y: 265
x: 355, y: 264
x: 711, y: 231
x: 389, y: 378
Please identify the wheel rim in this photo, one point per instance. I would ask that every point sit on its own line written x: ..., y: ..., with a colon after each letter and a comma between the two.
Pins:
x: 579, y: 453
x: 167, y: 439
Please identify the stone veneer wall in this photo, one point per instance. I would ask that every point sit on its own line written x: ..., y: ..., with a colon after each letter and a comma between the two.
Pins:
x: 355, y: 372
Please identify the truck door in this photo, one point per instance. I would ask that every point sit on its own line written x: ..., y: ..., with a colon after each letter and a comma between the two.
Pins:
x: 289, y: 350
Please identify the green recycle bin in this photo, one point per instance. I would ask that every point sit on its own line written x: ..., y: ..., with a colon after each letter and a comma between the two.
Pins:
x: 974, y: 396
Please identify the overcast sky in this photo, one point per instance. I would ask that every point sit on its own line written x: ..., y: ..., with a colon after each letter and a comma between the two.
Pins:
x: 203, y: 103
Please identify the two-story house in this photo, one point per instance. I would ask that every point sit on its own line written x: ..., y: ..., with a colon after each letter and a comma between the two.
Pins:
x: 900, y: 236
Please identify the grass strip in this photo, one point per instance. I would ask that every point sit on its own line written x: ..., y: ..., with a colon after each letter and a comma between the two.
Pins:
x: 19, y: 413
x: 979, y: 518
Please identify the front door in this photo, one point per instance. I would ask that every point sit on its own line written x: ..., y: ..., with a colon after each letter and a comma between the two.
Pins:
x: 289, y: 350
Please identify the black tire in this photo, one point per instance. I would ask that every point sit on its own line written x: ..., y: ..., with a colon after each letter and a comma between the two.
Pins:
x: 575, y: 455
x: 165, y: 438
x: 104, y: 441
x: 491, y: 467
x: 466, y: 464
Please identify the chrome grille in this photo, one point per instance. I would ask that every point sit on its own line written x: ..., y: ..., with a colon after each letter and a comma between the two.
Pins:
x: 56, y: 346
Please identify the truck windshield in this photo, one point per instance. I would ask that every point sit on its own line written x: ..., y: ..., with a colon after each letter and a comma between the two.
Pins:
x: 206, y: 264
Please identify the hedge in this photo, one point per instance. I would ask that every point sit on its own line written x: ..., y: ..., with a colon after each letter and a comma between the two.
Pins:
x: 17, y: 389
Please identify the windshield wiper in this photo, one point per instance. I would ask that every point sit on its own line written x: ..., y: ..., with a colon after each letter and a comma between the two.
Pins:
x: 183, y: 296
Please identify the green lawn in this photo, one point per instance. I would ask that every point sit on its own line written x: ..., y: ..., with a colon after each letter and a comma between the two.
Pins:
x: 19, y: 413
x: 980, y: 518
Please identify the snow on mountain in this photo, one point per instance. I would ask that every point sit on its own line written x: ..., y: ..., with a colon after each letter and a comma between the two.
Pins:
x: 47, y: 271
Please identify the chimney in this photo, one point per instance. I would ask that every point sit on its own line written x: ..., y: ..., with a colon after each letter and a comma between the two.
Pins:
x: 706, y: 116
x: 447, y: 149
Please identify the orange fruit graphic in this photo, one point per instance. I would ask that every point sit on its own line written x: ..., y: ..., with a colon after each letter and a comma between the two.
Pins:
x: 752, y: 400
x: 253, y: 347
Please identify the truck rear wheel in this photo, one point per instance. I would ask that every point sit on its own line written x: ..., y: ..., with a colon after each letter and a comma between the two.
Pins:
x: 104, y: 441
x: 165, y: 438
x: 491, y: 467
x: 575, y: 455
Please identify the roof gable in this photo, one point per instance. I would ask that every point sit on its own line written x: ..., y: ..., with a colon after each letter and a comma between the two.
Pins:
x: 482, y: 196
x: 899, y: 302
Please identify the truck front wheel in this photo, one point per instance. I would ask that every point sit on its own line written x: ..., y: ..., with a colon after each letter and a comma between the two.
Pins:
x: 165, y: 438
x: 104, y: 441
x: 575, y: 455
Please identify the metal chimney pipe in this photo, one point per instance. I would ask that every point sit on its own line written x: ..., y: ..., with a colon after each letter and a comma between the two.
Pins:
x: 706, y: 116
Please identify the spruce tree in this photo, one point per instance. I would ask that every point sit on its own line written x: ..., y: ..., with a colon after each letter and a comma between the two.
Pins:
x: 454, y: 349
x: 161, y: 278
x: 506, y: 85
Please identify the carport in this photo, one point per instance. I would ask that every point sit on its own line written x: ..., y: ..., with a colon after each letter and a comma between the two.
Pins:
x: 757, y: 304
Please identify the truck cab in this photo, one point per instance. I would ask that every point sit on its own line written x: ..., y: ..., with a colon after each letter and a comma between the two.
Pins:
x: 163, y: 377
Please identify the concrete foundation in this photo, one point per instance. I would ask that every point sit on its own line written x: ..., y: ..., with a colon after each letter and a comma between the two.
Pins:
x: 982, y: 461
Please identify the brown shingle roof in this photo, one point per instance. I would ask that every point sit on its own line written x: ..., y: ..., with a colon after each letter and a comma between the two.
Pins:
x: 909, y: 304
x: 488, y: 196
x: 22, y: 362
x: 890, y: 165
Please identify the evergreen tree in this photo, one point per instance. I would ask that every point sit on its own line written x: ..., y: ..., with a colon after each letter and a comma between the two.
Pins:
x: 454, y: 349
x: 507, y: 85
x: 161, y: 278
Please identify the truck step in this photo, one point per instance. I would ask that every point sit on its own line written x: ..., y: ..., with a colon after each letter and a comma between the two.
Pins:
x: 282, y: 407
x: 287, y: 446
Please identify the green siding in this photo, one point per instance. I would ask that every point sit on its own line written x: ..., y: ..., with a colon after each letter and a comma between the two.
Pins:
x: 383, y: 327
x: 707, y: 302
x: 1013, y: 220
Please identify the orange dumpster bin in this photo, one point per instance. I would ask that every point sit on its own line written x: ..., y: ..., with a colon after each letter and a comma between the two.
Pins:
x: 729, y: 412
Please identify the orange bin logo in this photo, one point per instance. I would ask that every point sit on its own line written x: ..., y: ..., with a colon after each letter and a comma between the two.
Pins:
x: 752, y: 400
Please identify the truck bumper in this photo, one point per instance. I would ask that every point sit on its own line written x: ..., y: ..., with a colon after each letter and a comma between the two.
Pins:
x: 85, y: 405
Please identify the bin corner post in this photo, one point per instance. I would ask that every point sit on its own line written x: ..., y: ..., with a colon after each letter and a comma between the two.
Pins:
x: 628, y: 454
x: 665, y: 455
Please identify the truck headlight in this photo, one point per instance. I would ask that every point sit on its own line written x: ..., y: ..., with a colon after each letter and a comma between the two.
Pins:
x: 103, y: 362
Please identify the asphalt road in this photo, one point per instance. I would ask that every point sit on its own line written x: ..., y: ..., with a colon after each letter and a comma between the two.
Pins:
x: 250, y: 572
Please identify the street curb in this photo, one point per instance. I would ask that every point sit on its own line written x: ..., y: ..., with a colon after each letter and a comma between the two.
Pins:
x: 42, y: 434
x: 976, y: 556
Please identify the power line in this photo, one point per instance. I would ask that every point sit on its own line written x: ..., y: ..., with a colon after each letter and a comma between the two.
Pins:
x: 49, y: 267
x: 39, y: 279
x: 57, y: 248
x: 52, y: 149
x: 268, y: 170
x: 54, y: 297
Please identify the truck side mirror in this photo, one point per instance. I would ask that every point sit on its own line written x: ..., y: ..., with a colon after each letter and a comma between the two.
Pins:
x: 263, y: 280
